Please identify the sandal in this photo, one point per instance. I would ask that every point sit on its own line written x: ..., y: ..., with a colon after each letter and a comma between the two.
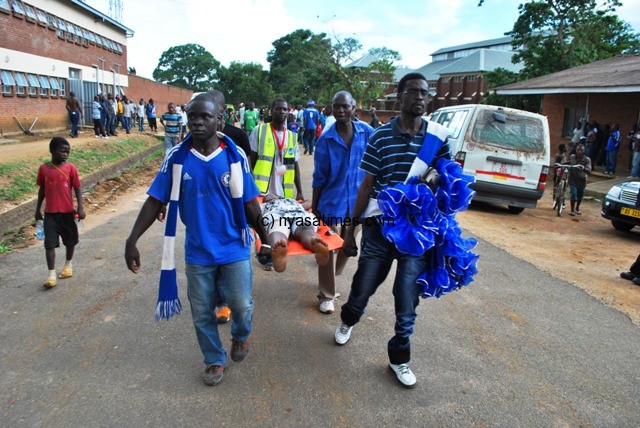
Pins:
x: 50, y: 283
x: 67, y: 272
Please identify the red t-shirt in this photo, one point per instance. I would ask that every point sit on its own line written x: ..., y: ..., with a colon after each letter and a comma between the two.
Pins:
x: 58, y: 183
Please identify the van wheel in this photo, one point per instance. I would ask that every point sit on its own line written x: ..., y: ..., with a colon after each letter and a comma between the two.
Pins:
x: 622, y: 226
x: 515, y: 210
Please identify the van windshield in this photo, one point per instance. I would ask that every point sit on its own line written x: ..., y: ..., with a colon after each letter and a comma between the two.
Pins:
x: 519, y: 132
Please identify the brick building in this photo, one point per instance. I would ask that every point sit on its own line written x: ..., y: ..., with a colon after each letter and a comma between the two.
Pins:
x: 51, y: 47
x: 606, y: 91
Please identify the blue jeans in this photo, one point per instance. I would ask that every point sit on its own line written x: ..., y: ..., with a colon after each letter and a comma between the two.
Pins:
x: 635, y: 164
x: 308, y: 139
x: 74, y: 117
x: 206, y: 287
x: 169, y: 142
x: 375, y: 261
x: 141, y: 123
x: 612, y: 160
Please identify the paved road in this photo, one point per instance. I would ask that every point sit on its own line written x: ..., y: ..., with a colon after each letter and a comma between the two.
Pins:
x: 516, y: 348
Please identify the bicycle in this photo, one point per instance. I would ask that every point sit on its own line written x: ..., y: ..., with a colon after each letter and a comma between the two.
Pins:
x: 560, y: 188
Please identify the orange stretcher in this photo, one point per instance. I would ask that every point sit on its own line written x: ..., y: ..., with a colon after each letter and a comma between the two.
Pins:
x: 295, y: 248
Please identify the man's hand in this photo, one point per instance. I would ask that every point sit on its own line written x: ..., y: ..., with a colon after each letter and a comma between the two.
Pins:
x: 132, y: 257
x: 300, y: 196
x: 264, y: 255
x: 38, y: 215
x: 162, y: 213
x: 349, y: 245
x: 81, y: 214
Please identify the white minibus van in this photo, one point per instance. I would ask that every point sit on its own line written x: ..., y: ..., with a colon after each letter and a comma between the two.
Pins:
x: 506, y: 150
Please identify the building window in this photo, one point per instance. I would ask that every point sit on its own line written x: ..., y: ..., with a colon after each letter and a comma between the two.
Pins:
x: 44, y: 86
x: 7, y: 82
x: 21, y: 83
x: 55, y: 86
x: 31, y: 13
x: 33, y: 85
x: 42, y: 17
x: 457, y: 78
x: 472, y: 78
x: 446, y: 79
x: 63, y: 87
x: 4, y: 6
x: 571, y: 117
x: 17, y: 8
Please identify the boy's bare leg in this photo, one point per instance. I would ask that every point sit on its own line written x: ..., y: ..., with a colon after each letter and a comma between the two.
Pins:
x: 51, y: 258
x: 312, y: 241
x: 279, y: 247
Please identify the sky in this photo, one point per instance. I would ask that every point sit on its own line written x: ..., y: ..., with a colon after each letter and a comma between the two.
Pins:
x: 244, y: 30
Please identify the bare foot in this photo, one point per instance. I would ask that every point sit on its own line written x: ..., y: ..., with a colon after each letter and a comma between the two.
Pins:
x: 320, y: 249
x: 279, y: 255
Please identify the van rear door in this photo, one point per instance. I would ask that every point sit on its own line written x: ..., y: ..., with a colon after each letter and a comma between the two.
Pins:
x: 513, y: 147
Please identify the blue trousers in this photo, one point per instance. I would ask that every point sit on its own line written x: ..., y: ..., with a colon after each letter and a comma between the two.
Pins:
x: 206, y: 287
x: 377, y: 255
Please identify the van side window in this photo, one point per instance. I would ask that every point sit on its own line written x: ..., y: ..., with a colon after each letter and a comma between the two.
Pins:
x: 453, y: 120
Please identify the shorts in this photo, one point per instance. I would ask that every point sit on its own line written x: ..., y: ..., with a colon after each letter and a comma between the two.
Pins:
x: 286, y: 216
x: 60, y: 225
x: 577, y: 193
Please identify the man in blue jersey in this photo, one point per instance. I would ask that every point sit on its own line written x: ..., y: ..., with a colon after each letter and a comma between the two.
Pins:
x: 336, y: 180
x: 310, y: 121
x: 211, y: 170
x: 386, y: 162
x: 172, y: 122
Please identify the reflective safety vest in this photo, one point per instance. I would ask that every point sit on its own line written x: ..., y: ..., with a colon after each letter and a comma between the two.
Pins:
x: 263, y: 170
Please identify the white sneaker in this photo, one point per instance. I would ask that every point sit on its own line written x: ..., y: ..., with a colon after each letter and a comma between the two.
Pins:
x: 326, y: 307
x: 404, y: 374
x: 342, y: 334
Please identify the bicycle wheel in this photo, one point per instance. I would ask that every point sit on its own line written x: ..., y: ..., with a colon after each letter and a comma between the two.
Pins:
x: 555, y: 196
x: 560, y: 197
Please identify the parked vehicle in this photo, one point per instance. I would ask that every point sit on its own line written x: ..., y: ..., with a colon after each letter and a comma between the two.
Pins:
x: 506, y: 150
x: 622, y: 206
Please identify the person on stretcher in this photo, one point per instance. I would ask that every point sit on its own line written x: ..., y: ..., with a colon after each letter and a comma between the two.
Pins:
x: 283, y: 217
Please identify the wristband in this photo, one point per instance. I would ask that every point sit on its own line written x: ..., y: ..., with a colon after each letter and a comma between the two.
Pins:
x: 265, y: 246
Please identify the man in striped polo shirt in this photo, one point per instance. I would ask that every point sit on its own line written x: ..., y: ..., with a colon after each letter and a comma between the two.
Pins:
x: 172, y: 122
x: 386, y: 162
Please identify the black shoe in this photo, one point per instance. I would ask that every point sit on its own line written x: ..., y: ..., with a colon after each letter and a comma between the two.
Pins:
x: 239, y: 350
x: 213, y: 375
x: 628, y: 275
x: 636, y: 280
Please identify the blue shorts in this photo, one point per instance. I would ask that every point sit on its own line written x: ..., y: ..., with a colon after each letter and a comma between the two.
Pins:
x: 577, y: 193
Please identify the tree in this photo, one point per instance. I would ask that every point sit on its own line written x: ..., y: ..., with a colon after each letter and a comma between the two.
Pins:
x: 300, y: 66
x: 554, y: 35
x: 245, y: 82
x: 188, y: 66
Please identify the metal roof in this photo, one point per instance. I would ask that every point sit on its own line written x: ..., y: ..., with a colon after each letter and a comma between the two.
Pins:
x: 481, y: 44
x: 482, y: 60
x: 430, y: 71
x: 617, y: 74
x: 99, y: 16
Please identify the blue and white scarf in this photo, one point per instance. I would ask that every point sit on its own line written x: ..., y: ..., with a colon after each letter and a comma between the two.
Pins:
x: 168, y: 300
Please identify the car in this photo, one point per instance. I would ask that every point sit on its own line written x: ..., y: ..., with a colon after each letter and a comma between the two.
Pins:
x: 622, y: 206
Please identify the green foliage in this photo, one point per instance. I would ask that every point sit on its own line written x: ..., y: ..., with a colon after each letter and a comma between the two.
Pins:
x: 301, y: 67
x: 554, y: 35
x: 245, y: 82
x: 5, y: 247
x: 188, y: 66
x: 501, y: 77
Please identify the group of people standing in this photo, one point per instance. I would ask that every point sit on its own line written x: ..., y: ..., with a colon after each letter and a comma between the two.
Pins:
x: 215, y: 185
x: 109, y: 113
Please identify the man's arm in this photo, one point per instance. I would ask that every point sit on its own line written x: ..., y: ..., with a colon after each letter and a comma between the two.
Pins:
x: 315, y: 198
x: 361, y: 205
x: 81, y: 213
x: 253, y: 158
x: 39, y: 203
x: 296, y: 180
x: 147, y: 216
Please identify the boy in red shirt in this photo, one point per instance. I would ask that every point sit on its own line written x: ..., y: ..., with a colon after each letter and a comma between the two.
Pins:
x: 56, y: 180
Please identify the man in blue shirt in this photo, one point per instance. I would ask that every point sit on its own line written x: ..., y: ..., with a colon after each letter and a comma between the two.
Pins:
x: 336, y: 180
x: 311, y: 120
x: 217, y: 257
x: 172, y: 122
x: 387, y: 161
